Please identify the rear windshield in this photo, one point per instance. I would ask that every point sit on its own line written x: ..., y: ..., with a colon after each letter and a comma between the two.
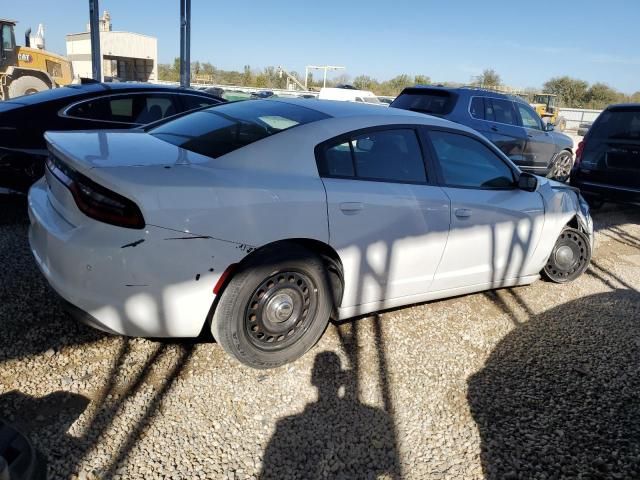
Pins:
x: 618, y: 125
x: 434, y: 102
x: 222, y: 129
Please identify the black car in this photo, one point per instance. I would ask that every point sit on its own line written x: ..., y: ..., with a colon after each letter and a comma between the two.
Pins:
x: 607, y: 163
x: 23, y: 120
x: 507, y: 121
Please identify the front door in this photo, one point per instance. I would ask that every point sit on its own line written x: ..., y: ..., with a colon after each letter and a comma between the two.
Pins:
x: 540, y: 147
x: 494, y: 225
x: 385, y: 220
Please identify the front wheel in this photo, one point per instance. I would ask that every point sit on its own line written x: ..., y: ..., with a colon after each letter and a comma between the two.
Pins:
x: 569, y: 258
x: 274, y: 309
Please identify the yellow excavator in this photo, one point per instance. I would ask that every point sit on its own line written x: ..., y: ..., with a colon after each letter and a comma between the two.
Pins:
x: 26, y: 70
x: 546, y: 105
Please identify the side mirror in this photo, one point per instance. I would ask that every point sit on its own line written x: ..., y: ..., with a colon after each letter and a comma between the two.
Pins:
x: 527, y: 182
x: 549, y: 127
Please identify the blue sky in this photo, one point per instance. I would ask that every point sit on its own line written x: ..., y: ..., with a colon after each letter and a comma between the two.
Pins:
x: 525, y: 42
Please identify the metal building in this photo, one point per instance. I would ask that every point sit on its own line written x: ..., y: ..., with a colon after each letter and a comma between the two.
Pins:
x: 125, y: 55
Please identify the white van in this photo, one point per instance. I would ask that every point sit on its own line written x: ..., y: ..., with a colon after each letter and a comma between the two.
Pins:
x: 350, y: 95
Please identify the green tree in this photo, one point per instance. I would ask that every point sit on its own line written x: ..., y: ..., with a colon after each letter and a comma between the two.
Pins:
x: 572, y: 92
x: 422, y: 80
x: 488, y: 78
x: 600, y: 95
x: 365, y: 82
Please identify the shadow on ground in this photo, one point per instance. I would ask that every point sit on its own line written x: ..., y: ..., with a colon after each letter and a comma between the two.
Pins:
x: 335, y: 437
x: 559, y: 396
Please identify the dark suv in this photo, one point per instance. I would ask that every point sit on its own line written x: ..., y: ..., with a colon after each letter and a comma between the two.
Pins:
x: 608, y: 158
x: 509, y: 122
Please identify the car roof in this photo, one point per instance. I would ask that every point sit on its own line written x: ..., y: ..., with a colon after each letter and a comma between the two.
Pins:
x: 74, y: 90
x: 467, y: 90
x: 623, y: 107
x: 341, y: 109
x: 337, y: 108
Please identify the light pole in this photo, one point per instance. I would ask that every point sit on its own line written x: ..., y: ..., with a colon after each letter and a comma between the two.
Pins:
x: 319, y: 67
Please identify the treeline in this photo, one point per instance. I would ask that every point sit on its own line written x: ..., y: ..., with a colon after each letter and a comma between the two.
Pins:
x: 270, y: 77
x: 572, y: 92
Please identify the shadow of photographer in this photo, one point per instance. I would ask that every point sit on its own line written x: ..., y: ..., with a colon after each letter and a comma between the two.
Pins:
x: 334, y: 437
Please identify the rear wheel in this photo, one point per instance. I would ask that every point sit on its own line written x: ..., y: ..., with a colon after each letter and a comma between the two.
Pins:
x: 569, y: 258
x: 26, y: 85
x: 274, y: 309
x: 562, y: 165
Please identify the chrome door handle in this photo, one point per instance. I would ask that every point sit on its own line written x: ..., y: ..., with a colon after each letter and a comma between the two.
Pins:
x: 351, y: 208
x: 463, y: 212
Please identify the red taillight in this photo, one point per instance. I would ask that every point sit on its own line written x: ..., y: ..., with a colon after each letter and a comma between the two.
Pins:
x: 96, y: 201
x: 579, y: 152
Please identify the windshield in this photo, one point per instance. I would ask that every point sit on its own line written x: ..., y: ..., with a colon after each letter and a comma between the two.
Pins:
x: 617, y: 125
x: 222, y: 129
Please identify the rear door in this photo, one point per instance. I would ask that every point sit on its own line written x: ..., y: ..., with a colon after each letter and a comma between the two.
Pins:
x: 540, y: 146
x: 495, y: 227
x: 500, y: 125
x: 386, y: 220
x: 612, y: 148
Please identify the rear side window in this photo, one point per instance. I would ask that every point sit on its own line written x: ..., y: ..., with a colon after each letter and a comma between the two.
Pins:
x: 501, y: 111
x: 217, y: 131
x: 466, y: 162
x: 424, y: 100
x: 385, y: 155
x: 617, y: 125
x: 476, y: 108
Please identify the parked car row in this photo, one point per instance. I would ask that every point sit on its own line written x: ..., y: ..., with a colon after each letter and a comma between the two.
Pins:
x: 23, y: 120
x: 261, y: 220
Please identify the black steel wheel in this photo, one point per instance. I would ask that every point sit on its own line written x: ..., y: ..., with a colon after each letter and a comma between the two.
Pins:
x: 569, y: 258
x: 275, y: 308
x: 281, y: 310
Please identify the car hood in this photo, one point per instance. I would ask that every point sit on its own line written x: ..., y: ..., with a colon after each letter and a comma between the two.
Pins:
x: 85, y: 150
x: 562, y: 140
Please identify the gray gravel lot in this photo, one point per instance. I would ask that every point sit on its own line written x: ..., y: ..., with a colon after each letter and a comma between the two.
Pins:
x: 532, y: 382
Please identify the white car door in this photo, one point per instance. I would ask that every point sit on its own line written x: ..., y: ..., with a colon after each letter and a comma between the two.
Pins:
x: 495, y: 226
x: 386, y: 221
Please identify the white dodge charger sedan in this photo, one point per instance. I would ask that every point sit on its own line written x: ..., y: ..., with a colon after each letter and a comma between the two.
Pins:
x: 262, y: 219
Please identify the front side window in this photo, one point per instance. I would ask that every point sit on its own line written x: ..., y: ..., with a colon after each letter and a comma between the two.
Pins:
x: 385, y: 155
x: 132, y: 109
x: 227, y: 127
x: 529, y: 117
x: 466, y: 162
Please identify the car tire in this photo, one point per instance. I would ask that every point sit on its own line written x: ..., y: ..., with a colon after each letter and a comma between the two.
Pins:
x: 561, y: 167
x: 26, y: 86
x: 275, y: 308
x: 569, y: 258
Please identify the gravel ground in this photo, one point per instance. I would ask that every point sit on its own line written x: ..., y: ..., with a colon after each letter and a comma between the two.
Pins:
x: 540, y: 382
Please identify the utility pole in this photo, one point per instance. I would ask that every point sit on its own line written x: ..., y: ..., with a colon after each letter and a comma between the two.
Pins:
x: 185, y: 43
x: 94, y: 27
